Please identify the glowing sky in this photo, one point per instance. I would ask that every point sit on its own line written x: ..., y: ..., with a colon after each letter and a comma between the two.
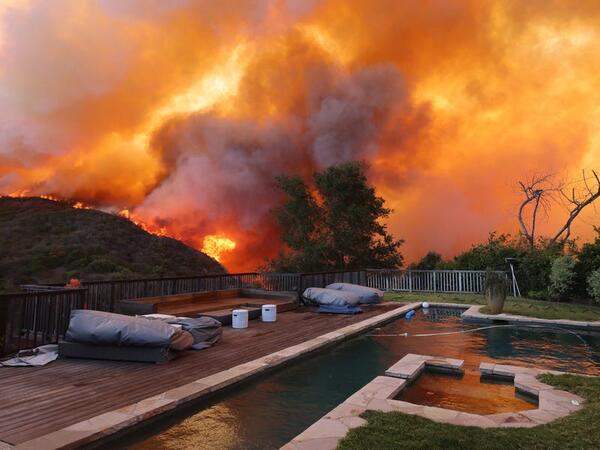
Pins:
x: 183, y: 111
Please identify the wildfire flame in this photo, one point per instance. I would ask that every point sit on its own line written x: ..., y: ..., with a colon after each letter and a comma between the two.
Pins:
x: 216, y: 245
x: 157, y: 231
x: 19, y: 194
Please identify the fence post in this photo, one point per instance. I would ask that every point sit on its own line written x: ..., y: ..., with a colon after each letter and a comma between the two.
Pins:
x: 111, y: 301
x: 4, y: 329
x: 410, y: 289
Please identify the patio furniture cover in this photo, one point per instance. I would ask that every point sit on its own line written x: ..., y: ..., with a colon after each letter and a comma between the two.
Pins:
x: 206, y: 331
x: 366, y: 294
x: 103, y: 328
x: 331, y: 297
x: 333, y: 309
x: 36, y: 357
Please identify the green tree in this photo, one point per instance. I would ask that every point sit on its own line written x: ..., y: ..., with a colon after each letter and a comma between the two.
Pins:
x: 562, y: 277
x: 431, y: 261
x: 335, y: 225
x: 588, y: 262
x: 593, y: 282
x: 533, y: 264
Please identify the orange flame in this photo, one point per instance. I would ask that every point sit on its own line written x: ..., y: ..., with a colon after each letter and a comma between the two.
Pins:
x: 215, y: 245
x: 19, y: 193
x: 157, y: 231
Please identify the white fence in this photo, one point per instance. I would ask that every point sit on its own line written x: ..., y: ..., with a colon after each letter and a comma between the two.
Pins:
x: 448, y: 281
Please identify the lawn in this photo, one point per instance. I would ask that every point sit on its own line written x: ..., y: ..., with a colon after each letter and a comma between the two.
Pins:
x: 396, y: 430
x: 519, y: 306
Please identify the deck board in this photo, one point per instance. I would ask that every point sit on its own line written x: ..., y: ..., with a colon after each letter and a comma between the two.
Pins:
x: 37, y: 401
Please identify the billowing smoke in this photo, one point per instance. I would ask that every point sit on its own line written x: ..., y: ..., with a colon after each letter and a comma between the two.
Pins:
x: 221, y: 171
x: 184, y: 111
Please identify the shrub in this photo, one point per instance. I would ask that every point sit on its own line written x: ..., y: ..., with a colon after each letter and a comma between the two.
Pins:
x: 101, y: 265
x: 532, y: 268
x: 588, y: 262
x: 537, y: 295
x: 562, y: 277
x: 431, y: 261
x: 593, y: 283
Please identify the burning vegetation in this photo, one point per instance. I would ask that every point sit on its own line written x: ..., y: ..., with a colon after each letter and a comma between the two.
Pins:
x: 57, y: 242
x: 215, y: 246
x: 186, y: 111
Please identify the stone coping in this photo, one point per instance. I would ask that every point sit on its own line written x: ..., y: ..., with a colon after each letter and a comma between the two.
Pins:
x: 449, y: 305
x: 412, y: 365
x: 378, y: 395
x: 111, y: 422
x: 473, y: 315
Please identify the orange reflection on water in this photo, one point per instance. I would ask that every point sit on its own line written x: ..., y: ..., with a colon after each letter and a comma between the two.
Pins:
x: 212, y: 428
x: 467, y: 393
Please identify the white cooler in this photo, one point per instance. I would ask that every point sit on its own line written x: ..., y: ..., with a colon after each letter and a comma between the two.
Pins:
x: 269, y: 313
x: 239, y: 318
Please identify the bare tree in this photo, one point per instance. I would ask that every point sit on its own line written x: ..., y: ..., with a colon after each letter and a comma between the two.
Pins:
x: 537, y: 192
x: 542, y: 191
x: 577, y: 200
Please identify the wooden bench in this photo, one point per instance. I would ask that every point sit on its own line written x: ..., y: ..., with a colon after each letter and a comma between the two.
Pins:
x: 217, y: 304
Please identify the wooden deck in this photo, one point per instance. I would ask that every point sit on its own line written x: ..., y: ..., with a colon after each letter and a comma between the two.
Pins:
x: 37, y: 401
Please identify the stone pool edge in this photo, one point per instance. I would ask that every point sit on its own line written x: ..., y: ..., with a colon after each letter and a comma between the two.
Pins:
x: 378, y: 395
x: 106, y: 424
x: 472, y: 314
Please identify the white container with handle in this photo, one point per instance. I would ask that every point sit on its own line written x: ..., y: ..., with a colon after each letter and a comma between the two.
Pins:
x: 269, y: 313
x: 239, y: 318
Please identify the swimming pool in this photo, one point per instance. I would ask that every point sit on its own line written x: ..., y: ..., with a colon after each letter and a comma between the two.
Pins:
x: 269, y: 411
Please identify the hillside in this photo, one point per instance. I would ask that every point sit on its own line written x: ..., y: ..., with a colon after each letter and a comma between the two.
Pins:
x: 45, y: 240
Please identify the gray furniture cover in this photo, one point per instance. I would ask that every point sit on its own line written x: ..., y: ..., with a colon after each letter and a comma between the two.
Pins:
x: 103, y: 328
x: 366, y: 294
x: 331, y: 297
x: 115, y: 353
x: 205, y: 330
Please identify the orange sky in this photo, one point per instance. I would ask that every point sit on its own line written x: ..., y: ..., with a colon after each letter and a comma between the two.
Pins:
x: 183, y: 111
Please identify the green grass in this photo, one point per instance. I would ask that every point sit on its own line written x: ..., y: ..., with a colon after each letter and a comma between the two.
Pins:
x: 519, y: 306
x: 395, y: 430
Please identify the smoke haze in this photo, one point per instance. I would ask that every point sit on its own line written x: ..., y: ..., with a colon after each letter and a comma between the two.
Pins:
x: 184, y: 111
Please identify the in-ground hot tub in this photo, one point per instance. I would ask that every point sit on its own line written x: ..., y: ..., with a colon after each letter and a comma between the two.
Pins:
x: 467, y: 393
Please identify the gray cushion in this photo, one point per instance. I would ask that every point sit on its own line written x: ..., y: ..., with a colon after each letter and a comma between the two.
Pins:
x: 331, y: 297
x: 366, y: 294
x: 102, y: 328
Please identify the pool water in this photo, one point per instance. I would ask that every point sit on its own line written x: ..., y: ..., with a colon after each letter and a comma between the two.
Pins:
x: 469, y: 393
x: 269, y: 411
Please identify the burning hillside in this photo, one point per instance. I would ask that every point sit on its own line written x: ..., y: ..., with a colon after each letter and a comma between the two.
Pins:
x: 185, y: 111
x: 57, y: 241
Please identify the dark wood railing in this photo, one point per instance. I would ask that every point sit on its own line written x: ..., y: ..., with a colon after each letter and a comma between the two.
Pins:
x: 41, y: 315
x: 31, y: 319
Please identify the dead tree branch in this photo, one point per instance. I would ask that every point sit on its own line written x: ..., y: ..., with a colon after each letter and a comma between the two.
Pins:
x: 539, y: 192
x: 577, y: 202
x: 535, y: 191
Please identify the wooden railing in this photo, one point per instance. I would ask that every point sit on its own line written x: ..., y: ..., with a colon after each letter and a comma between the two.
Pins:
x: 41, y: 316
x: 30, y: 319
x: 104, y: 295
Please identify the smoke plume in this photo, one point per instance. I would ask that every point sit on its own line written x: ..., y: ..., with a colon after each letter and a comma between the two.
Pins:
x: 184, y: 111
